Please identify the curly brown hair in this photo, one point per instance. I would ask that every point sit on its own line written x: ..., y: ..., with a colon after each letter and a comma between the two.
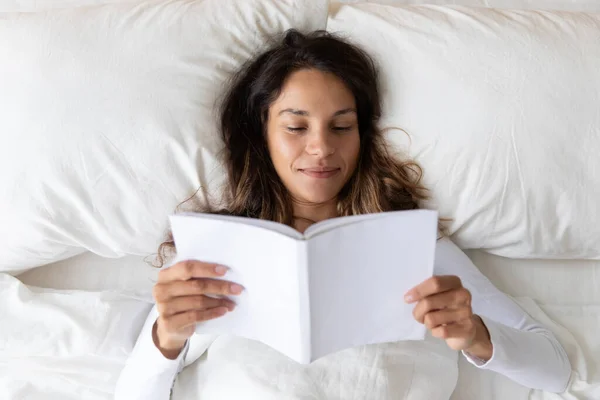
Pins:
x: 381, y: 182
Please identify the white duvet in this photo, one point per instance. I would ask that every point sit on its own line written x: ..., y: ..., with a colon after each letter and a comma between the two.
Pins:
x: 65, y: 344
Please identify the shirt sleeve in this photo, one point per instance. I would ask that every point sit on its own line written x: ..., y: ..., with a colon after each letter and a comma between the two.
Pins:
x: 523, y: 350
x: 148, y: 374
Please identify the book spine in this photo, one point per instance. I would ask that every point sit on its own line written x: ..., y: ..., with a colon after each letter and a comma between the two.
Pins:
x: 304, y: 297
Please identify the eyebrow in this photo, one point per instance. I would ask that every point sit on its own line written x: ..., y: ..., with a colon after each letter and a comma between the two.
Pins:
x: 305, y: 113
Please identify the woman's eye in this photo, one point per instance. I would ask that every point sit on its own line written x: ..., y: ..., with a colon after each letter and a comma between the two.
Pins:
x: 342, y: 128
x: 295, y: 129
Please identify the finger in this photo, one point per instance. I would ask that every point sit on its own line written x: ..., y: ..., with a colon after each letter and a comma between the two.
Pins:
x: 166, y: 291
x: 452, y: 299
x: 189, y: 269
x: 463, y: 329
x: 186, y: 303
x: 434, y: 319
x: 182, y: 320
x: 430, y: 304
x: 433, y: 285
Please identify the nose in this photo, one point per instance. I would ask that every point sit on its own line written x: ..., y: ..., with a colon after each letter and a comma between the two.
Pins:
x: 320, y: 143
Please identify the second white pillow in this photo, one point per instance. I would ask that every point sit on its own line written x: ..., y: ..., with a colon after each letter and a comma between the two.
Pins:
x: 503, y: 112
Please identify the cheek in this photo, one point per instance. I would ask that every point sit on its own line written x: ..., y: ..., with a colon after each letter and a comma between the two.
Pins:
x: 352, y: 151
x: 284, y: 150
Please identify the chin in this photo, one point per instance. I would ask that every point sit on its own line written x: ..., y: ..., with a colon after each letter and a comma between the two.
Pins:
x: 318, y: 198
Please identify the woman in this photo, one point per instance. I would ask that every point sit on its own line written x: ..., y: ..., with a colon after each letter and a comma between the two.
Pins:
x: 302, y: 145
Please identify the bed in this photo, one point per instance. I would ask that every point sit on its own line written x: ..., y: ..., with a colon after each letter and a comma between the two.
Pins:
x: 568, y: 298
x: 77, y: 225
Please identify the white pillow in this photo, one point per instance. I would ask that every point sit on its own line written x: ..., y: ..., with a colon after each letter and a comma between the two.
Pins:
x: 565, y: 5
x: 41, y: 5
x: 107, y: 117
x: 503, y: 109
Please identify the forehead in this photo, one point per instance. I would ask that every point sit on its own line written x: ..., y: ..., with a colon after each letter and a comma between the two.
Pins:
x: 315, y: 92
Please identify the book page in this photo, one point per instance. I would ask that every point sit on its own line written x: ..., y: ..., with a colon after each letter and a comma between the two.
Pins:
x: 265, y: 263
x: 332, y: 223
x: 273, y: 226
x: 358, y: 274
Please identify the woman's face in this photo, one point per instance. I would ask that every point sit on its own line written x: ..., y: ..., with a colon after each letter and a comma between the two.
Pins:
x: 312, y: 135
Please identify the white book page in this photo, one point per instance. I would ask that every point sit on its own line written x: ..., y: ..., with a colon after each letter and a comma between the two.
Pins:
x: 265, y: 263
x: 270, y: 225
x: 333, y: 223
x: 358, y: 275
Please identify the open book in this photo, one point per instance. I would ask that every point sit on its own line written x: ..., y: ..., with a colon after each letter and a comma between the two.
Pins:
x: 338, y: 285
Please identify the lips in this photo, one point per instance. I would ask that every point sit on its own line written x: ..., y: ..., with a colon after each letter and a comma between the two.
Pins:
x: 320, y: 172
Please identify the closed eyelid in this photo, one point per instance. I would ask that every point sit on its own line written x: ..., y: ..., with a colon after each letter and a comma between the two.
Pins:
x: 345, y: 124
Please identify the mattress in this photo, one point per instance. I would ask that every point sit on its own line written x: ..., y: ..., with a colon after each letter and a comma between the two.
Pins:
x: 562, y: 294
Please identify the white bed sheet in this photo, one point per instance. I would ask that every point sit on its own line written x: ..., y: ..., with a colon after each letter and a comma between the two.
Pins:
x: 565, y: 292
x: 88, y: 271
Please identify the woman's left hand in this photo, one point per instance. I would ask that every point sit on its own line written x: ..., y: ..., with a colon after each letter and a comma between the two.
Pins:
x: 444, y: 307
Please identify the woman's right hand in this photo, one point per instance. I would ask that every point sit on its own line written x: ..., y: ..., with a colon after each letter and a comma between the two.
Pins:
x: 183, y: 299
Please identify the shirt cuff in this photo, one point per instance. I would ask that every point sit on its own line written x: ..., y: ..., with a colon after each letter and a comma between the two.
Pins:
x: 496, y: 339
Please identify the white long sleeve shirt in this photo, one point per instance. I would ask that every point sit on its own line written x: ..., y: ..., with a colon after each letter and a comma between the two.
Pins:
x: 523, y: 350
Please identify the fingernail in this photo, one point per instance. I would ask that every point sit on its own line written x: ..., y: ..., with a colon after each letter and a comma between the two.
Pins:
x: 408, y: 298
x: 222, y: 310
x: 231, y: 306
x: 235, y: 288
x: 219, y: 269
